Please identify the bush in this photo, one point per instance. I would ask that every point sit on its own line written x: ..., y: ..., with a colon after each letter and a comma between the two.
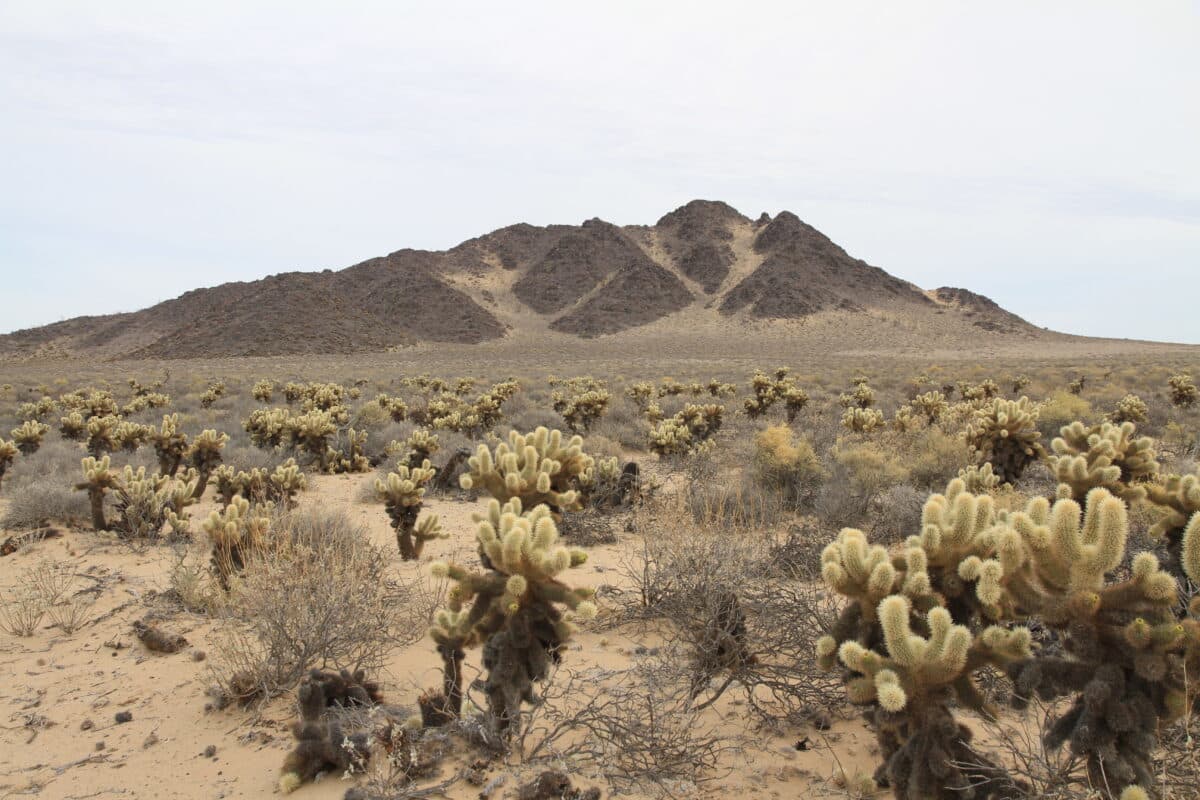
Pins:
x: 1062, y: 408
x: 936, y: 457
x: 786, y: 464
x: 318, y: 597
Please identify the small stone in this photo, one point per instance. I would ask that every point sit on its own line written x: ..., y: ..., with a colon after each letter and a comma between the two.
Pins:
x: 86, y: 725
x: 198, y: 655
x: 124, y: 716
x: 210, y: 751
x: 100, y: 745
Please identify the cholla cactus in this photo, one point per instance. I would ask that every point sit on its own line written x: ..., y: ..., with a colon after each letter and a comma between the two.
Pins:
x: 351, y: 457
x: 1005, y: 433
x: 395, y: 407
x: 402, y: 493
x: 8, y: 453
x: 863, y: 396
x: 718, y: 389
x: 906, y: 419
x: 286, y: 482
x: 311, y: 432
x: 642, y: 394
x: 98, y: 478
x: 263, y: 390
x: 581, y: 402
x: 73, y: 426
x: 1104, y: 455
x: 1123, y: 661
x: 147, y: 503
x: 214, y: 392
x: 1177, y: 500
x: 270, y: 428
x: 28, y: 436
x: 1131, y: 408
x: 683, y: 433
x: 231, y: 483
x: 538, y: 468
x: 1076, y: 386
x: 170, y: 445
x: 1019, y: 383
x: 862, y: 420
x: 129, y: 436
x: 420, y: 446
x: 927, y: 752
x: 204, y: 455
x: 769, y: 390
x: 1182, y: 389
x: 979, y: 479
x: 236, y: 533
x: 512, y: 609
x: 37, y: 410
x: 930, y: 405
x: 101, y: 435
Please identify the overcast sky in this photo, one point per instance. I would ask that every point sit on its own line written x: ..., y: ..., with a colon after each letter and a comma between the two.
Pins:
x: 1042, y: 153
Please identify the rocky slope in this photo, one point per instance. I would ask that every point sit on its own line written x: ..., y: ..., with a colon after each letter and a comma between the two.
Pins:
x: 703, y: 261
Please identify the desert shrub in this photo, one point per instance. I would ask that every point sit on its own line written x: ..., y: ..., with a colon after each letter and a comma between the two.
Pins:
x: 1062, y: 408
x: 786, y: 464
x: 933, y: 457
x: 896, y: 513
x: 319, y: 596
x: 46, y: 589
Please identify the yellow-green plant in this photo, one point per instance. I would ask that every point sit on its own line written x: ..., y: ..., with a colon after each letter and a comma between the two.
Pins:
x: 203, y: 455
x: 101, y: 435
x: 286, y: 482
x: 641, y: 393
x: 73, y: 426
x: 36, y: 410
x: 1019, y: 383
x: 1176, y: 499
x: 129, y: 436
x: 580, y: 401
x: 1104, y: 455
x: 979, y: 479
x: 403, y: 493
x: 862, y: 420
x: 1130, y: 408
x: 862, y: 396
x: 263, y: 390
x: 8, y: 453
x: 930, y: 405
x: 1005, y: 433
x: 683, y: 433
x: 28, y: 436
x: 1076, y: 386
x: 539, y: 468
x: 1182, y: 390
x: 395, y: 407
x: 170, y: 445
x: 419, y: 447
x: 145, y: 504
x: 270, y: 428
x: 513, y: 608
x: 98, y: 478
x: 236, y: 533
x: 214, y: 392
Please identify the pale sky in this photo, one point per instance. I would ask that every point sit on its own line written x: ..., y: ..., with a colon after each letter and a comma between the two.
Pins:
x: 1042, y: 153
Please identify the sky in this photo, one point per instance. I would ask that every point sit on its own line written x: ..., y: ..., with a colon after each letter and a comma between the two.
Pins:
x: 1046, y: 154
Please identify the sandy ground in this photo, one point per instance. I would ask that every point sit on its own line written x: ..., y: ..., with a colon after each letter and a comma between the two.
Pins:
x: 58, y: 704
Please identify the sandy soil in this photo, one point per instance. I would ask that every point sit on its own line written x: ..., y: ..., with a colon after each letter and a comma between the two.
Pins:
x: 59, y: 737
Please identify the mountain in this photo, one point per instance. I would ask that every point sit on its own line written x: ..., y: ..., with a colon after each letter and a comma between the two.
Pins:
x: 703, y: 263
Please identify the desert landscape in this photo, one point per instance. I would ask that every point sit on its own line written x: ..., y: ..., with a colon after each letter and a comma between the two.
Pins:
x: 726, y: 547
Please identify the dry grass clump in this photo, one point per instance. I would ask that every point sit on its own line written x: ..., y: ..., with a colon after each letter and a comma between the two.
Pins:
x: 47, y: 589
x: 786, y: 464
x: 319, y: 596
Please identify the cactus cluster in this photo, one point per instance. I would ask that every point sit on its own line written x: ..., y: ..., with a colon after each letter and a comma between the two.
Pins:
x: 263, y: 390
x: 861, y: 396
x: 402, y: 492
x: 538, y: 468
x: 236, y: 533
x: 514, y: 608
x: 170, y: 445
x: 1182, y: 390
x: 683, y: 433
x: 930, y: 405
x: 863, y: 420
x: 146, y: 504
x: 28, y: 436
x: 1104, y: 455
x: 37, y: 410
x: 395, y: 407
x: 1005, y: 433
x: 922, y: 621
x: 204, y: 455
x: 1130, y: 408
x: 581, y: 401
x: 214, y: 392
x: 8, y: 453
x: 768, y: 390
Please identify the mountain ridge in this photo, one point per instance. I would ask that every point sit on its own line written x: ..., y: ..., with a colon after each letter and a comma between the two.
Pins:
x: 590, y: 280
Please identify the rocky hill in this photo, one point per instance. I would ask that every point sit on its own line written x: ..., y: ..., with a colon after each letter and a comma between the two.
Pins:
x: 702, y: 263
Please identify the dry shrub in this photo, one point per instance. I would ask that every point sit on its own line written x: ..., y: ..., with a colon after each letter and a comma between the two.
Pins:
x: 46, y: 589
x: 786, y: 464
x: 193, y: 584
x: 637, y: 727
x: 1059, y: 409
x: 319, y: 597
x: 934, y: 457
x: 738, y: 616
x: 40, y: 490
x: 896, y: 514
x: 739, y: 503
x: 860, y: 473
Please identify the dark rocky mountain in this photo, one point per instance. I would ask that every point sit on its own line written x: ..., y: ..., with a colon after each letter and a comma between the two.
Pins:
x: 704, y: 259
